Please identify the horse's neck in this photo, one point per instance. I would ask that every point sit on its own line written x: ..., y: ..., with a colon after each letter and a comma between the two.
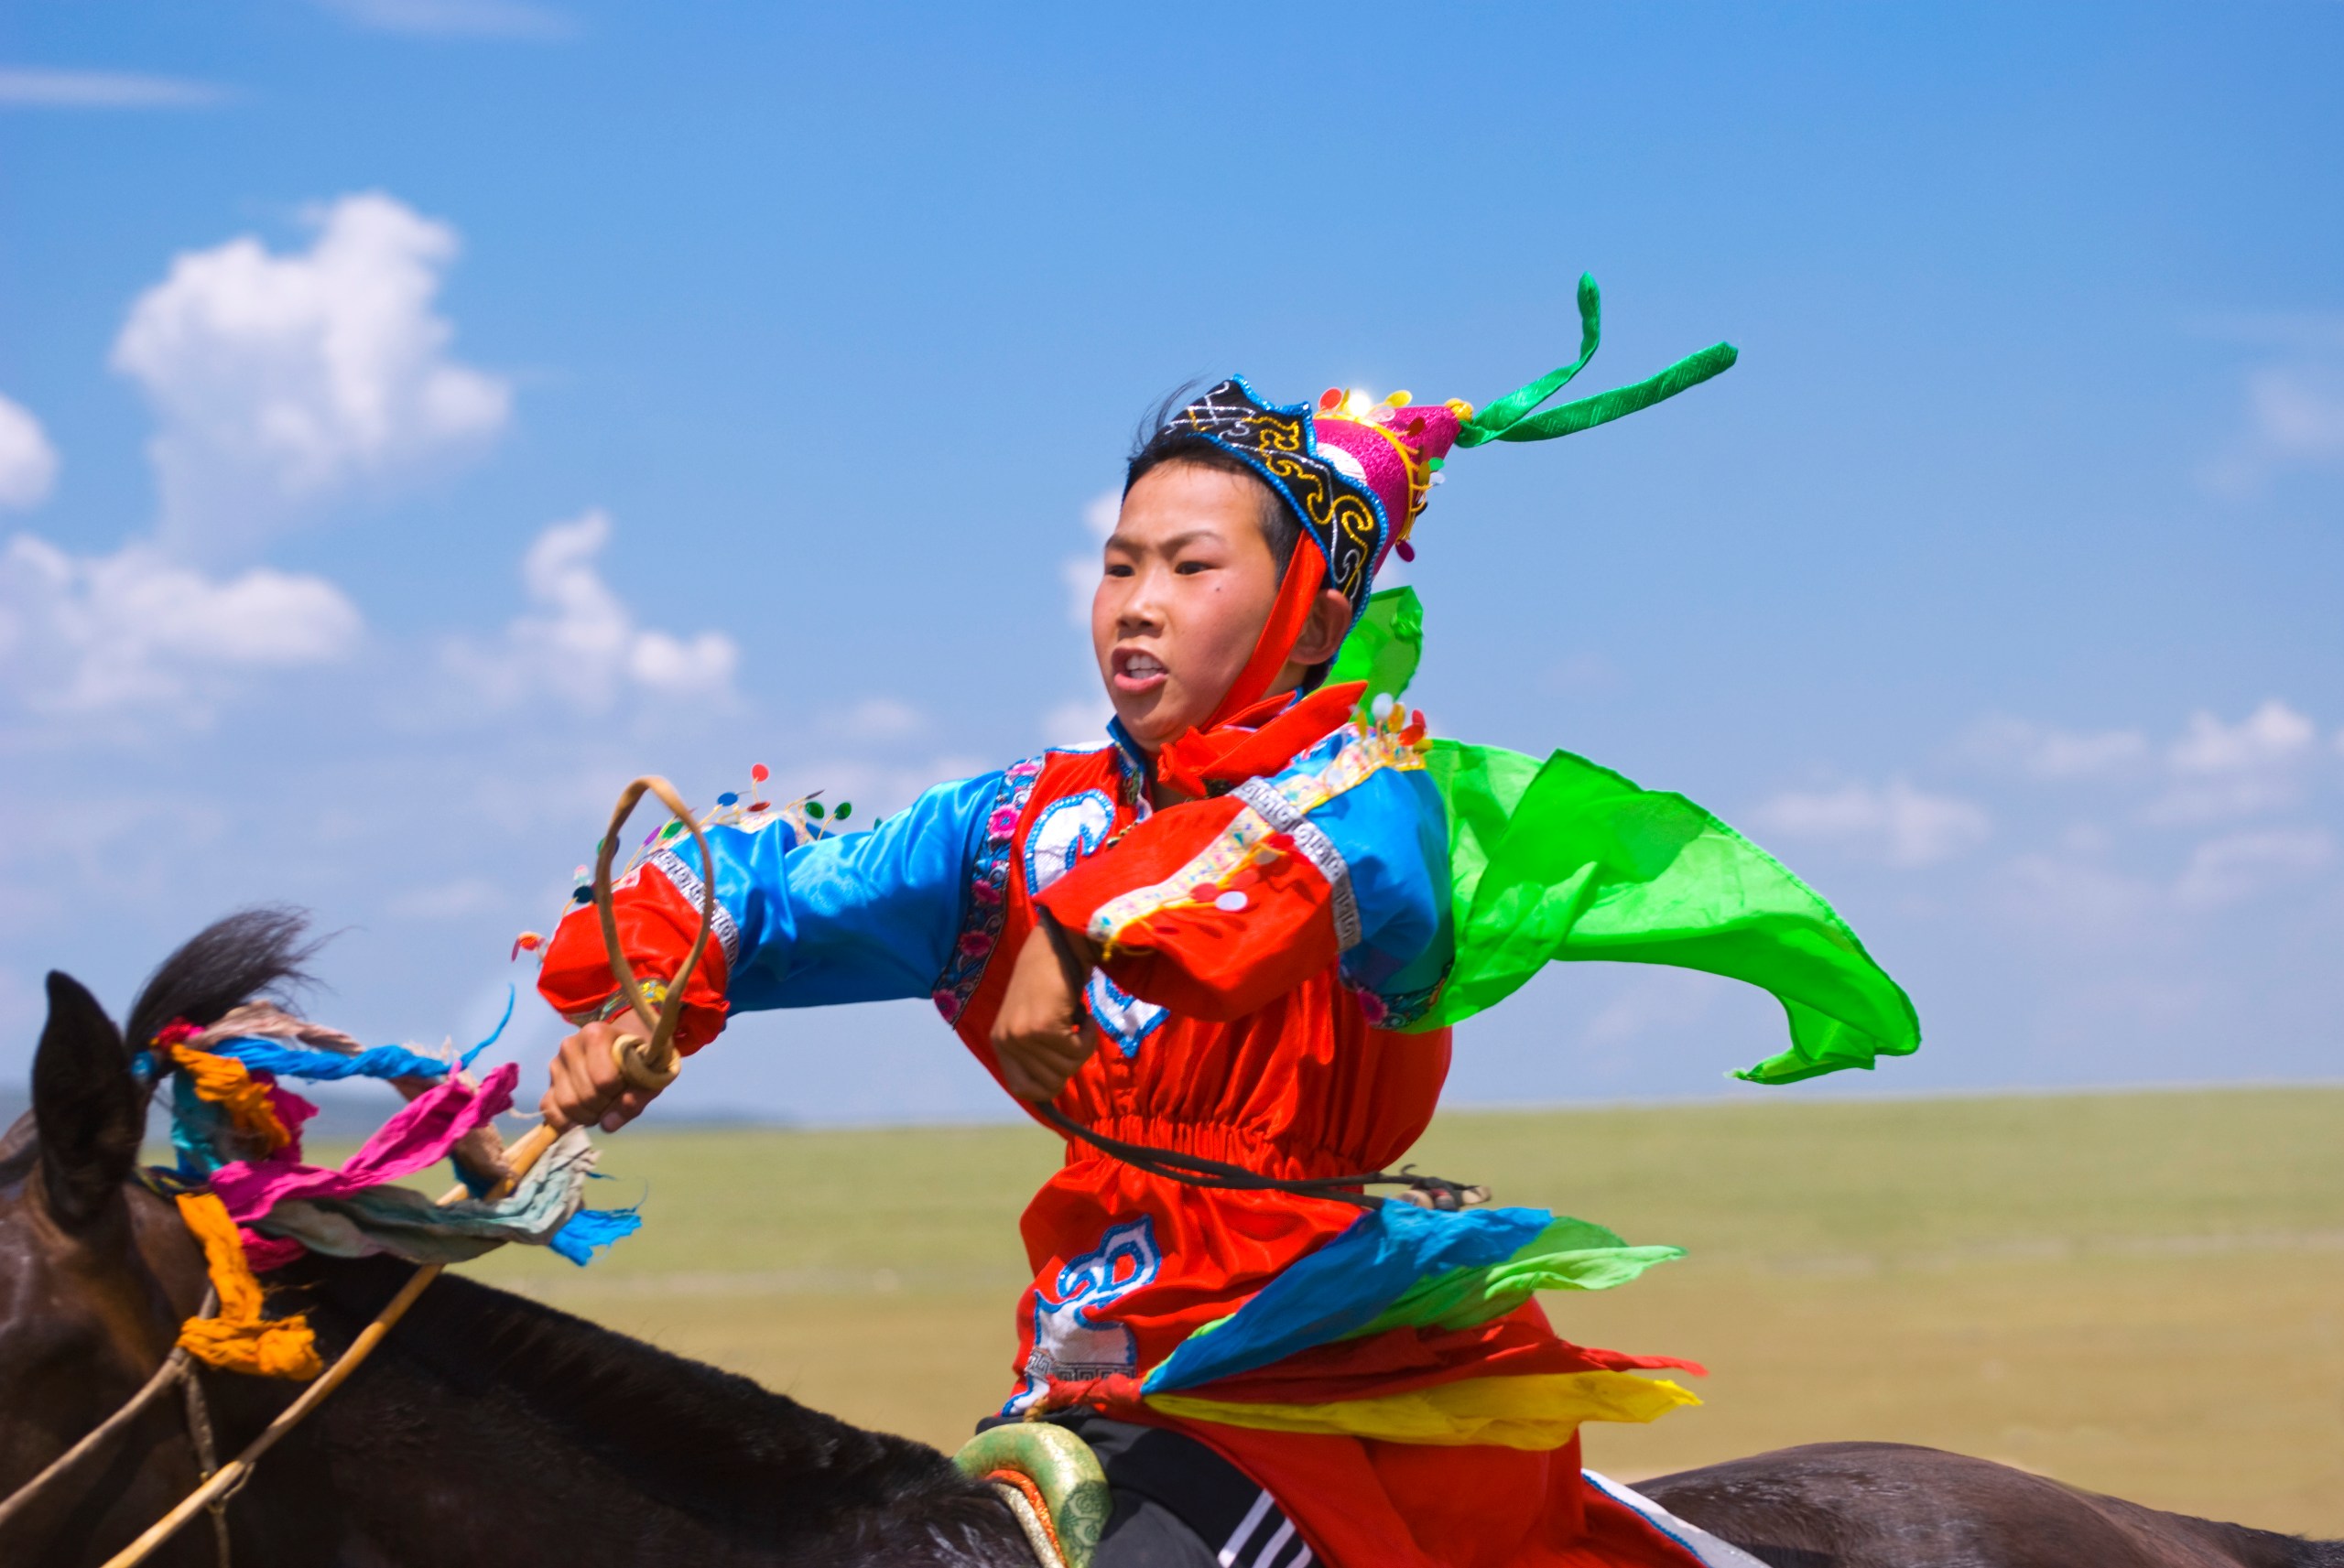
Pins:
x: 492, y: 1428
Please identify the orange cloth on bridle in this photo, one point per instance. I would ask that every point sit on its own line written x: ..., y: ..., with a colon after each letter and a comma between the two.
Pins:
x: 239, y: 1339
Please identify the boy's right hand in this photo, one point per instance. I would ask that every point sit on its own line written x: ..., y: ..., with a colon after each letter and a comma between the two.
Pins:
x: 587, y: 1087
x: 1043, y: 1034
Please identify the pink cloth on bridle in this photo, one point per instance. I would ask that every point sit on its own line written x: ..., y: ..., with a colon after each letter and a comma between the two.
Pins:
x: 420, y: 1135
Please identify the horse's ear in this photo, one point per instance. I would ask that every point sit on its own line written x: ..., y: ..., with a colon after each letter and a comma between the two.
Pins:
x: 87, y: 1104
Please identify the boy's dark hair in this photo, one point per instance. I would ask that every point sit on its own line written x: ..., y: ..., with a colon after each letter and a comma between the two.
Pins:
x: 1157, y: 442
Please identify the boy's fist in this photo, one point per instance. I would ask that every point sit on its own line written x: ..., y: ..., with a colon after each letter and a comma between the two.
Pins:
x: 1042, y: 1035
x: 587, y: 1087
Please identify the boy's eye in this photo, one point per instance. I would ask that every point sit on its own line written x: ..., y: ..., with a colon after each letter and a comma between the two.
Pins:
x: 1119, y: 568
x: 1190, y: 569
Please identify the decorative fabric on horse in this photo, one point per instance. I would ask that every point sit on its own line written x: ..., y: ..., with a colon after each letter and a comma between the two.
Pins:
x: 239, y: 1337
x: 245, y: 1190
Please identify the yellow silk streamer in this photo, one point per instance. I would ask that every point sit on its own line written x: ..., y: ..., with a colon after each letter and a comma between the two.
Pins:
x: 1536, y: 1412
x: 240, y: 1339
x: 224, y: 1081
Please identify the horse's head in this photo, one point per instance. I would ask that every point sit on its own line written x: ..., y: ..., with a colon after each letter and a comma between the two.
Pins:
x: 96, y: 1272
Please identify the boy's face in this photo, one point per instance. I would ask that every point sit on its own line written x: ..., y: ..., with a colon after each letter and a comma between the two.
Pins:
x: 1188, y: 585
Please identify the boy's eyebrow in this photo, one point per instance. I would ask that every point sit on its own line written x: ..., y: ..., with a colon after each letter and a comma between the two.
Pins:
x: 1172, y: 542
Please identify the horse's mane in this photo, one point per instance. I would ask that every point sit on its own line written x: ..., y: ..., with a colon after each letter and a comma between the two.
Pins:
x: 228, y: 963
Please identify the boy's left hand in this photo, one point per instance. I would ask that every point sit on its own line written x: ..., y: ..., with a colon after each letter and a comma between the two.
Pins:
x: 1042, y: 1034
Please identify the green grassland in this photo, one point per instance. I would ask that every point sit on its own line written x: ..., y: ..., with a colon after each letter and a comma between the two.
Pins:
x: 2141, y: 1293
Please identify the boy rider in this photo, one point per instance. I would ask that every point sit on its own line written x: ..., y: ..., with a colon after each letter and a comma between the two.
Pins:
x: 1212, y: 937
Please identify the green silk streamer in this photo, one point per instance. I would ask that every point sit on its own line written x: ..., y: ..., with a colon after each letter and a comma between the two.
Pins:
x: 1564, y: 860
x: 1568, y: 1255
x: 1386, y: 643
x: 1509, y: 419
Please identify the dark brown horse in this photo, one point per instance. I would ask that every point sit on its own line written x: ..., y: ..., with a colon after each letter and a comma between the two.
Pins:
x: 493, y: 1430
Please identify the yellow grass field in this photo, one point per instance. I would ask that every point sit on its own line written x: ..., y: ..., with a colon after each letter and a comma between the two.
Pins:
x: 2141, y: 1293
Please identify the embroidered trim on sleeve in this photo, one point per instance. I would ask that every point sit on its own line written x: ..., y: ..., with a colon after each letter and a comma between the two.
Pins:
x: 1316, y: 847
x: 987, y: 910
x: 1400, y: 1009
x: 687, y: 882
x: 1245, y: 840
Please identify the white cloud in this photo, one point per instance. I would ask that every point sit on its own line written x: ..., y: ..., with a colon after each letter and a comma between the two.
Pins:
x: 2236, y: 770
x: 1082, y: 720
x: 2299, y: 415
x: 447, y: 901
x: 27, y: 462
x: 2226, y: 869
x: 24, y: 87
x: 1080, y: 576
x: 2295, y: 418
x: 2273, y: 733
x: 454, y: 18
x: 1101, y: 511
x: 581, y: 644
x: 878, y: 719
x: 1648, y: 1001
x: 2043, y: 752
x: 1081, y: 573
x: 83, y: 634
x: 1579, y: 675
x: 1079, y: 722
x: 1900, y: 825
x: 2078, y: 899
x: 282, y: 380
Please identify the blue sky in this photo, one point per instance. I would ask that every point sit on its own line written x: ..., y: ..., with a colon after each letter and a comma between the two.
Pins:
x: 423, y: 415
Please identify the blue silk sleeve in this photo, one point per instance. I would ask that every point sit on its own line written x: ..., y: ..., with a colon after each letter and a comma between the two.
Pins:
x: 1393, y: 839
x: 866, y: 916
x: 1388, y: 836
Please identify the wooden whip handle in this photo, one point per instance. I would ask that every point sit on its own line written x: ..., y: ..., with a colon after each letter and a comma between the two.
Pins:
x: 651, y: 1065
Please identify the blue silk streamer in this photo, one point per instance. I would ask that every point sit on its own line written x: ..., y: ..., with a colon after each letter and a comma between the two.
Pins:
x: 493, y: 1035
x: 299, y: 1062
x: 591, y: 1227
x: 376, y: 1062
x: 1345, y: 1285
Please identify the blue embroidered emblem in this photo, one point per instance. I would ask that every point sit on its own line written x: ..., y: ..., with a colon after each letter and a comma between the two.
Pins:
x: 1071, y: 1342
x: 1120, y: 1016
x: 1063, y: 832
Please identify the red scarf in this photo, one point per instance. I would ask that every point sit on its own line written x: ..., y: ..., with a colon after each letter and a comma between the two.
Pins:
x: 1254, y: 742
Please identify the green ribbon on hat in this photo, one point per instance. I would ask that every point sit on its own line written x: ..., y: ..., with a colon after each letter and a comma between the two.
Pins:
x: 1511, y: 418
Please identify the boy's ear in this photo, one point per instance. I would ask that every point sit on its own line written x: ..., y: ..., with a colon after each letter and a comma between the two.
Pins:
x: 1322, y: 634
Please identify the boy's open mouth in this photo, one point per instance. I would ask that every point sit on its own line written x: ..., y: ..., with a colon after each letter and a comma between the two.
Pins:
x: 1138, y: 671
